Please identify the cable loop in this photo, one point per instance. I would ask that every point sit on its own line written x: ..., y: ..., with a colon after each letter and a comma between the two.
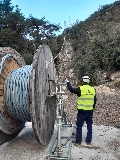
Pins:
x: 17, y: 93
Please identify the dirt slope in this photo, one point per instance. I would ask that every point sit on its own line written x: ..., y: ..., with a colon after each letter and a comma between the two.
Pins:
x: 107, y: 111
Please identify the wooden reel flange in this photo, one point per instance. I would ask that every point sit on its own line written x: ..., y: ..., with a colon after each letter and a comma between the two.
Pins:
x: 44, y: 101
x: 8, y: 124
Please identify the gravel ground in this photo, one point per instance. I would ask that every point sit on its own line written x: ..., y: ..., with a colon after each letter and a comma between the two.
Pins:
x: 25, y: 146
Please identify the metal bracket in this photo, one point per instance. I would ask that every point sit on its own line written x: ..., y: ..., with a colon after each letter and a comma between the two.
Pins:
x: 58, y: 147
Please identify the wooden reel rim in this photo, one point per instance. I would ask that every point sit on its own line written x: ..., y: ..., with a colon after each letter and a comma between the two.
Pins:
x: 8, y: 124
x: 8, y: 50
x: 43, y: 108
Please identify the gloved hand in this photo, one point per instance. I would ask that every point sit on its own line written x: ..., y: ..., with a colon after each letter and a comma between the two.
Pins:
x: 66, y: 81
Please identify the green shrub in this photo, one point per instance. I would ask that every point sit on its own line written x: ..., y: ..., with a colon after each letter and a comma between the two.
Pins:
x: 28, y: 59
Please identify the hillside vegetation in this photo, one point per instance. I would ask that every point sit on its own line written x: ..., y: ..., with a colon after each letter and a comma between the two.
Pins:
x: 23, y: 34
x: 96, y: 43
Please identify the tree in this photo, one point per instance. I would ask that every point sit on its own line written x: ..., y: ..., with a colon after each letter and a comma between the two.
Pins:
x: 23, y: 34
x: 5, y: 8
x: 39, y: 29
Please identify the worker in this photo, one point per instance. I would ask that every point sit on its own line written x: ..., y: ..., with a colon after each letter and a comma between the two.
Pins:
x: 85, y: 105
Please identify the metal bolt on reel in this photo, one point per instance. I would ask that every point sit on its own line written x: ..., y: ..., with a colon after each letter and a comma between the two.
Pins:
x: 28, y: 93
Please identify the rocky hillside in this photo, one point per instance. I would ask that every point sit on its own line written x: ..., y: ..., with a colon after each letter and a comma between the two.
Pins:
x: 96, y: 42
x: 107, y: 111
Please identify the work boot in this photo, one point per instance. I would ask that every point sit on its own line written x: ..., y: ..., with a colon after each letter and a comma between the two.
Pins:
x: 88, y: 142
x: 75, y: 142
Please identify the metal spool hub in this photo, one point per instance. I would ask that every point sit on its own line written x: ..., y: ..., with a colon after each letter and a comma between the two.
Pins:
x: 28, y: 94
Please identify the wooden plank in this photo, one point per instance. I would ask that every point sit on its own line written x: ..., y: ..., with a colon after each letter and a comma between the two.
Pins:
x: 1, y: 99
x: 1, y: 86
x: 3, y: 75
x: 11, y: 64
x: 1, y: 92
x: 6, y: 71
x: 2, y: 80
x: 2, y: 108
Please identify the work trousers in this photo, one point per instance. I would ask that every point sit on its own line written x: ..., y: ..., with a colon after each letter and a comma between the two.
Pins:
x: 81, y: 117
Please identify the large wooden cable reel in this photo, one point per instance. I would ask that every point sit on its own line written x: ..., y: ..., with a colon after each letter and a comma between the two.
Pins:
x: 42, y: 103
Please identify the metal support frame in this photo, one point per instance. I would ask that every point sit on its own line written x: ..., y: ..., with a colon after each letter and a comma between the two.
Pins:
x: 56, y: 150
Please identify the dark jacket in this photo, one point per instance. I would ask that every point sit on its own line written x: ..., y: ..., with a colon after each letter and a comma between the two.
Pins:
x: 78, y: 92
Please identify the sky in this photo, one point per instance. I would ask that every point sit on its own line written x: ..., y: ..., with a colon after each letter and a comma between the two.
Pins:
x: 63, y: 12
